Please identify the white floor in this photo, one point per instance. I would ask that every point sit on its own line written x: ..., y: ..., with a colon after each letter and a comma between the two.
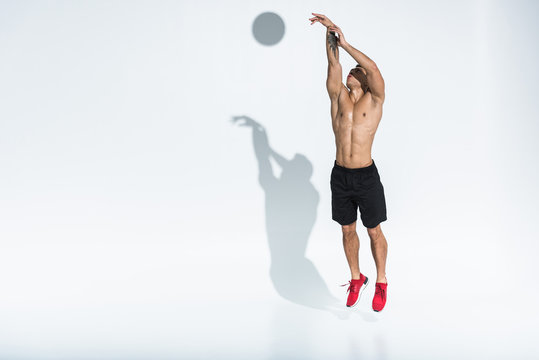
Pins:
x: 142, y: 301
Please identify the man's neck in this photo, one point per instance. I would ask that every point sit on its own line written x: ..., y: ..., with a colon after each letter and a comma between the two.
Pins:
x: 356, y: 94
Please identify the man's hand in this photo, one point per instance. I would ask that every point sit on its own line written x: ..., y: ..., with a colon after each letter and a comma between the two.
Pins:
x: 341, y: 41
x: 322, y: 19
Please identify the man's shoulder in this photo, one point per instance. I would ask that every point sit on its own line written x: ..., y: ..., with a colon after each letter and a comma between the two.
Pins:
x: 343, y: 95
x: 378, y: 100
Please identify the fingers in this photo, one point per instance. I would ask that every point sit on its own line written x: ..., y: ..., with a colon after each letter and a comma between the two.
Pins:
x: 336, y: 29
x: 319, y: 16
x: 314, y: 19
x: 321, y: 19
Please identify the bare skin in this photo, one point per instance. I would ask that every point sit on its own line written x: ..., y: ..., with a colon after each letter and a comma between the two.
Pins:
x: 355, y: 116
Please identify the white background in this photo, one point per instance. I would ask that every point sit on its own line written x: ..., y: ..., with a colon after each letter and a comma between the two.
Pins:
x: 133, y: 224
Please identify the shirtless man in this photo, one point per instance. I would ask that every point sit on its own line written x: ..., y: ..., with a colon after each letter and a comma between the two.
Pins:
x: 356, y: 110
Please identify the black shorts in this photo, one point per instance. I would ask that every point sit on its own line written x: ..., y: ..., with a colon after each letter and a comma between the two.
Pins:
x: 353, y: 188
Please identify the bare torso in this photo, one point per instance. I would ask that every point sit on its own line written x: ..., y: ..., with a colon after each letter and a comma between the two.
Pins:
x: 354, y: 126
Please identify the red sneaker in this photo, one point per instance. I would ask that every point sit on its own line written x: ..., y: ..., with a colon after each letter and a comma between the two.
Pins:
x: 356, y: 288
x: 380, y: 297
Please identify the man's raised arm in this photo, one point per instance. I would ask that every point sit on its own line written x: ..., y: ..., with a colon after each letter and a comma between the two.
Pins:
x: 374, y: 77
x: 334, y: 80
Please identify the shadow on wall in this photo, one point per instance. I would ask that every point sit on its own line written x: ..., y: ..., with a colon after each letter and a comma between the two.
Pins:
x: 291, y: 203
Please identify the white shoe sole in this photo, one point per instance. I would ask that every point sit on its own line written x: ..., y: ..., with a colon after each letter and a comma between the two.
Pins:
x: 360, y: 292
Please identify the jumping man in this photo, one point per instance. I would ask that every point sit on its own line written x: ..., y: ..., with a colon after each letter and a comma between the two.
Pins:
x: 356, y: 110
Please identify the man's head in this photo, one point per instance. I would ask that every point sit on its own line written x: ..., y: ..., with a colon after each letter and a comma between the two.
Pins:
x: 358, y: 76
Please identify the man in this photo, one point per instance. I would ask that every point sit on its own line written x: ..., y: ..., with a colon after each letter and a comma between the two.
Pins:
x: 356, y: 110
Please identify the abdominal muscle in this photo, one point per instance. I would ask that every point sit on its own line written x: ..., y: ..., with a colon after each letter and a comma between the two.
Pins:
x: 354, y: 127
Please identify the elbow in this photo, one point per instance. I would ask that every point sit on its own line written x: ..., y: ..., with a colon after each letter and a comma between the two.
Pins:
x: 372, y: 68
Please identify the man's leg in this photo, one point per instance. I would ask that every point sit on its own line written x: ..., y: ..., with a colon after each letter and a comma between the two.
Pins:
x: 351, y: 248
x: 379, y: 252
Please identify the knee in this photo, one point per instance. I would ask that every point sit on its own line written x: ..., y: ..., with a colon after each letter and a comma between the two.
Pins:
x: 375, y: 232
x: 349, y: 231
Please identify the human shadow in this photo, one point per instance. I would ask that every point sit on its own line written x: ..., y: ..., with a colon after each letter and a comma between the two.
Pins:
x: 291, y: 203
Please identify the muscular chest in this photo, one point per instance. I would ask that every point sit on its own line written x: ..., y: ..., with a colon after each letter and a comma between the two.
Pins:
x: 362, y: 113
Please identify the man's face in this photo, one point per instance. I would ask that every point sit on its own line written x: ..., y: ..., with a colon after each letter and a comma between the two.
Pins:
x: 358, y: 74
x: 357, y: 68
